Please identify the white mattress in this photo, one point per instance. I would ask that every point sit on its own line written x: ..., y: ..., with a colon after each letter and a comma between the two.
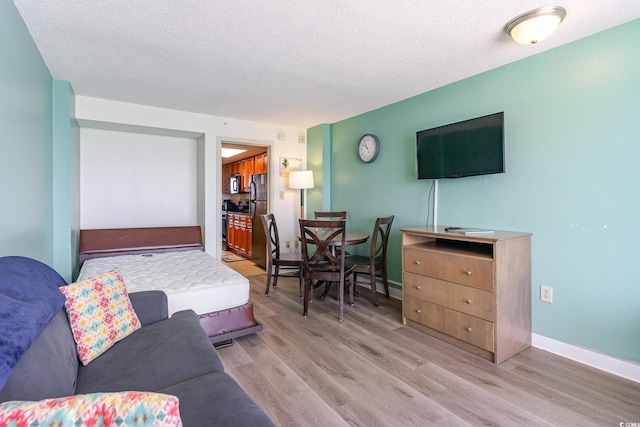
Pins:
x: 191, y: 279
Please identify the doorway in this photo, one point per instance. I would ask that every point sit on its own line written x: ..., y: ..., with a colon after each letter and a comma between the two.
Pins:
x: 244, y: 175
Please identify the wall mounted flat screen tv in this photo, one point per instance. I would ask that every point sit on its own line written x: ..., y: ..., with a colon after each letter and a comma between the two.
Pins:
x: 467, y: 148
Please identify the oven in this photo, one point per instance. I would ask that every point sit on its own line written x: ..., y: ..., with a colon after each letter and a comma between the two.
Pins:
x: 224, y: 230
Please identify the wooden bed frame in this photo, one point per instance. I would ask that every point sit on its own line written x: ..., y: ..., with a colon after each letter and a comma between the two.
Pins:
x: 223, y: 326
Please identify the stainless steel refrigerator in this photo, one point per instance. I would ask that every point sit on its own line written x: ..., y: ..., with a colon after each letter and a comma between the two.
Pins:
x: 257, y: 207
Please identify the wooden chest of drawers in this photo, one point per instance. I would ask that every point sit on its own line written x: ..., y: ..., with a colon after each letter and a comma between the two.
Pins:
x: 473, y: 291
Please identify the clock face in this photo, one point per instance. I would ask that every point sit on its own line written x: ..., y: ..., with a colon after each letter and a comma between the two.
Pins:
x: 368, y: 148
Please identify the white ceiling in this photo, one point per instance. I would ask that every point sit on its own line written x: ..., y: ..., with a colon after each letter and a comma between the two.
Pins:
x: 297, y: 63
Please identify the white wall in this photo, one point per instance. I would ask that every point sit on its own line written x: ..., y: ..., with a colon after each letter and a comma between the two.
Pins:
x: 137, y: 180
x: 139, y: 126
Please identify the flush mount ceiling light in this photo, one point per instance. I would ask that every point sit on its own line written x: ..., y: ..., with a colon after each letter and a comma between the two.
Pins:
x: 535, y: 25
x: 230, y: 152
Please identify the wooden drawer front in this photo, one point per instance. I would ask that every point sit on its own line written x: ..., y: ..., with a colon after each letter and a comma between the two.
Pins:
x: 468, y: 271
x: 467, y: 328
x: 472, y: 301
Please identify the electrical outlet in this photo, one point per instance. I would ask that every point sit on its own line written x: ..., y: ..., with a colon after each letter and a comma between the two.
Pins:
x: 546, y: 294
x: 287, y: 244
x: 296, y: 243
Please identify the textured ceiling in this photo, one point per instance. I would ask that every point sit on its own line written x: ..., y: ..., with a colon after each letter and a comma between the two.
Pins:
x: 296, y: 63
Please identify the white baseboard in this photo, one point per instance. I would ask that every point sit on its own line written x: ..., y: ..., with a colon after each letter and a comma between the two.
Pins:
x: 393, y: 292
x: 621, y: 368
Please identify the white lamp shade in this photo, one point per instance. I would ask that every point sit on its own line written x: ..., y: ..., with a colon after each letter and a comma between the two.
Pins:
x: 301, y: 179
x: 536, y: 25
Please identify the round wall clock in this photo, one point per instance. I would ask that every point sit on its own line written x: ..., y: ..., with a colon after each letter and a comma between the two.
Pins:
x: 368, y: 148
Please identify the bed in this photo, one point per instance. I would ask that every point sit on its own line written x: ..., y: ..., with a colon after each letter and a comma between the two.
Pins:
x: 172, y: 259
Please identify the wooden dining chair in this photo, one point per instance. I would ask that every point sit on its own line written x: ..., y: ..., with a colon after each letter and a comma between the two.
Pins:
x: 376, y: 261
x: 276, y: 259
x: 330, y: 215
x: 321, y: 264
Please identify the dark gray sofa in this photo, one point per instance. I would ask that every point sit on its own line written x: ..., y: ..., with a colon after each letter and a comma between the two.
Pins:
x: 166, y: 355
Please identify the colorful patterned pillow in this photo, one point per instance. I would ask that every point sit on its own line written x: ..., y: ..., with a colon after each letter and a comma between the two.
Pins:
x: 129, y: 408
x: 100, y: 313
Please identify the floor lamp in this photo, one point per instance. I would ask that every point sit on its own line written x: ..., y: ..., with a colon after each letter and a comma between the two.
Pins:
x: 301, y: 180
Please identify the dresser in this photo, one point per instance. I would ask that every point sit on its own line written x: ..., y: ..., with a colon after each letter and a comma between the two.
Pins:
x: 473, y: 291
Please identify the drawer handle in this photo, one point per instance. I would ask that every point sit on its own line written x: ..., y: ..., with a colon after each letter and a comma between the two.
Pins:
x: 418, y: 311
x: 468, y: 273
x: 469, y: 301
x: 468, y: 329
x: 418, y: 287
x: 418, y: 262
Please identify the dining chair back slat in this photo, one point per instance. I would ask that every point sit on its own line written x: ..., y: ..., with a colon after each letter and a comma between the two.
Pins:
x: 328, y: 215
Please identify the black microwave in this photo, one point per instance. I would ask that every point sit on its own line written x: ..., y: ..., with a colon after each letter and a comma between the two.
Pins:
x: 235, y: 184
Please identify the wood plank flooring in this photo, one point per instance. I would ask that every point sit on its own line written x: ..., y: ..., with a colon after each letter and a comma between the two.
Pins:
x: 370, y: 370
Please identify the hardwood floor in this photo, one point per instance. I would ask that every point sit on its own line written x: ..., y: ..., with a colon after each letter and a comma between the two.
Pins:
x: 371, y: 370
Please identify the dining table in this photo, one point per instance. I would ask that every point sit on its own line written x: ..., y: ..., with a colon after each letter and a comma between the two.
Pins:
x: 350, y: 238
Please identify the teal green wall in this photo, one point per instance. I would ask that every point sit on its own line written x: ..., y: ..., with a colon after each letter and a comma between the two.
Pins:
x: 66, y: 181
x: 26, y: 192
x: 39, y: 154
x: 572, y: 131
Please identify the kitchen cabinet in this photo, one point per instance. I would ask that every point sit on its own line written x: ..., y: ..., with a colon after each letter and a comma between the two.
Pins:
x: 247, y: 233
x: 241, y: 171
x: 261, y: 163
x: 226, y: 174
x: 473, y: 291
x: 235, y: 168
x: 239, y: 234
x: 245, y: 168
